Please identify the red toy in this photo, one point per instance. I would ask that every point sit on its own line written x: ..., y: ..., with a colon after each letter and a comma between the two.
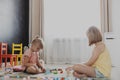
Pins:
x: 60, y: 70
x: 4, y: 54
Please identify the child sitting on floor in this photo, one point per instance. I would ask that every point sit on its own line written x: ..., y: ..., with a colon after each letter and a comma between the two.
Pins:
x: 99, y: 65
x: 30, y: 60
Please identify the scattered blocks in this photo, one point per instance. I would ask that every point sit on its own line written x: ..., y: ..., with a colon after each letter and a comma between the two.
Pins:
x: 56, y: 71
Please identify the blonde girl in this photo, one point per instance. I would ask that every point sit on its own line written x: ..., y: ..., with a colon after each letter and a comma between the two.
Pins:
x: 99, y: 65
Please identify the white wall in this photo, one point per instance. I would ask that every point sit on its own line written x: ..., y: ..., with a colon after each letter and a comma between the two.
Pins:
x: 70, y: 18
x: 114, y: 44
x: 115, y: 5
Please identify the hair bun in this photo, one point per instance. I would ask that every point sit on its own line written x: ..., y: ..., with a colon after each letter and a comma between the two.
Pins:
x: 37, y: 36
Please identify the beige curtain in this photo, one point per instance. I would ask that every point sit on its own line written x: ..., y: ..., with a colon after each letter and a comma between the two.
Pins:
x: 106, y: 16
x: 36, y: 21
x: 35, y: 18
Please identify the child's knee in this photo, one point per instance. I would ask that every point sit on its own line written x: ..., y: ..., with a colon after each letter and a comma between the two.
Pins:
x: 77, y: 67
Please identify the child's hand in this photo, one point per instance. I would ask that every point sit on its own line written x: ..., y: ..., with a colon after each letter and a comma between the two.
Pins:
x: 68, y: 69
x: 43, y: 70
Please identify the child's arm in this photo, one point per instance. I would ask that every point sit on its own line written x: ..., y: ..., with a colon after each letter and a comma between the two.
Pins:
x: 26, y: 58
x: 26, y: 61
x: 95, y: 55
x: 40, y: 64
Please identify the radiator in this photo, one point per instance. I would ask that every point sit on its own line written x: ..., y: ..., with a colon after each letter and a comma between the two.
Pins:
x: 65, y: 51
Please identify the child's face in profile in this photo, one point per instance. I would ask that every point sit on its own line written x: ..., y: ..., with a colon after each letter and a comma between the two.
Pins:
x: 35, y: 47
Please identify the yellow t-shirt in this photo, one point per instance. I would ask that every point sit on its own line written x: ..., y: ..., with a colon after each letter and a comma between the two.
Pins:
x: 103, y: 63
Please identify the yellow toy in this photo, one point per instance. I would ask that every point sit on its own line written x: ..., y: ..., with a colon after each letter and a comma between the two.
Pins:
x: 17, y: 49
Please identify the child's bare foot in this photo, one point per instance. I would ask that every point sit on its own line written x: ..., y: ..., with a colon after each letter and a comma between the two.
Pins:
x: 79, y: 75
x: 41, y: 70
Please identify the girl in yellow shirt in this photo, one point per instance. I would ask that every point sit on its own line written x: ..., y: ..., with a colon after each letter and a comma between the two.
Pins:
x: 99, y: 65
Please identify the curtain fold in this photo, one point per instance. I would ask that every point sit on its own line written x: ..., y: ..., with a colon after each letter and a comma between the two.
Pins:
x: 106, y: 16
x: 36, y: 18
x: 35, y: 21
